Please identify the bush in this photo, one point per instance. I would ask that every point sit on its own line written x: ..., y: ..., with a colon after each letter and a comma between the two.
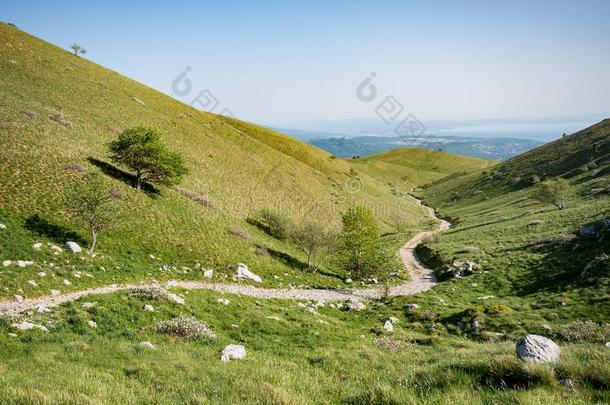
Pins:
x: 275, y: 223
x: 587, y: 331
x: 185, y: 327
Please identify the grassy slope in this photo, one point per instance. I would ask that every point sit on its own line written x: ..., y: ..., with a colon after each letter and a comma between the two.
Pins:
x: 241, y: 167
x: 532, y: 253
x: 296, y: 359
x: 406, y: 168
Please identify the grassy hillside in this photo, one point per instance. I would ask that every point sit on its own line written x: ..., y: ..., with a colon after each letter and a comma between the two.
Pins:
x: 59, y: 112
x: 533, y: 256
x: 293, y: 357
x: 406, y: 168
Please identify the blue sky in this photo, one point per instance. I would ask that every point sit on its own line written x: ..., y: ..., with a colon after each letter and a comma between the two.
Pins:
x: 280, y: 63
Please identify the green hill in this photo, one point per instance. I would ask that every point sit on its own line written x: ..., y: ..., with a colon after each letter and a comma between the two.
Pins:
x: 58, y: 114
x: 534, y: 256
x: 412, y: 167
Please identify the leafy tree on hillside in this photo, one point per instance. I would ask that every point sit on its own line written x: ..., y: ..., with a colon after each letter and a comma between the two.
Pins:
x: 362, y: 252
x: 316, y: 241
x: 555, y: 192
x: 90, y: 202
x: 77, y: 49
x: 141, y: 150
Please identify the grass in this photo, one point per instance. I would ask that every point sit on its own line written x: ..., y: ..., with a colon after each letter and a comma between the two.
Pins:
x: 406, y: 168
x: 296, y: 359
x: 58, y: 114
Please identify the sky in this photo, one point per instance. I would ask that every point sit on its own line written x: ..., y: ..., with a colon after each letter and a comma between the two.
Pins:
x: 288, y: 62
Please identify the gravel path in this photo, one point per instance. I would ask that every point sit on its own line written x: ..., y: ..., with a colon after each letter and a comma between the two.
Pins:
x: 422, y: 279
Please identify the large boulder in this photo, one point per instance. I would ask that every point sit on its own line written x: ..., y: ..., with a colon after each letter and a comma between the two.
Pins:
x: 244, y: 272
x: 73, y: 247
x: 537, y: 349
x: 233, y: 352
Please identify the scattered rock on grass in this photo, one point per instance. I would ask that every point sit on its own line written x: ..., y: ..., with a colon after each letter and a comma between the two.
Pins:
x: 537, y: 349
x: 137, y: 100
x: 245, y: 273
x: 29, y: 326
x: 2, y: 226
x: 355, y: 306
x: 37, y: 246
x: 233, y: 352
x: 209, y: 273
x: 223, y: 301
x: 92, y: 324
x: 146, y: 346
x: 388, y: 327
x: 7, y: 263
x: 89, y: 305
x: 59, y: 118
x: 73, y: 247
x: 412, y: 306
x: 148, y: 308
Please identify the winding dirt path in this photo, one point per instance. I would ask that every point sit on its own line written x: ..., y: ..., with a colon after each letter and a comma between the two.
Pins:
x: 422, y: 279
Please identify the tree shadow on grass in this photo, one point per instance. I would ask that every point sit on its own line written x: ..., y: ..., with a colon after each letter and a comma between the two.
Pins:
x: 123, y: 176
x: 57, y: 233
x: 295, y: 263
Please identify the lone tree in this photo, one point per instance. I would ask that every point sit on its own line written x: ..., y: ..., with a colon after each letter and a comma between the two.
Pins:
x: 362, y: 253
x: 77, y: 49
x: 90, y: 202
x: 555, y: 192
x: 141, y: 150
x: 316, y: 241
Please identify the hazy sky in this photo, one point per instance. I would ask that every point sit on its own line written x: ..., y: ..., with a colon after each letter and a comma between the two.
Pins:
x: 282, y: 62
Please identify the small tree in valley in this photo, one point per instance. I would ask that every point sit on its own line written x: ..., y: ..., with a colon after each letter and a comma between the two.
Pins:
x: 90, y: 203
x: 141, y: 150
x: 316, y: 241
x: 555, y: 192
x: 362, y: 252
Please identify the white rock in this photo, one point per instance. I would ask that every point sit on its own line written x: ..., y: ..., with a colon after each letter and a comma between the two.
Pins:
x: 412, y: 306
x: 175, y: 298
x: 171, y: 284
x: 12, y: 334
x: 29, y: 326
x: 355, y: 306
x: 146, y: 346
x: 148, y: 308
x: 394, y: 320
x: 92, y: 324
x: 41, y: 274
x: 244, y: 272
x: 2, y: 226
x: 275, y: 318
x: 67, y: 282
x: 537, y: 349
x: 18, y: 298
x: 7, y: 263
x: 209, y: 273
x: 349, y: 281
x: 24, y: 263
x: 89, y: 305
x: 42, y: 309
x: 32, y: 283
x: 233, y: 352
x: 55, y: 293
x: 388, y: 326
x: 223, y: 301
x: 607, y: 344
x: 73, y: 247
x: 37, y: 246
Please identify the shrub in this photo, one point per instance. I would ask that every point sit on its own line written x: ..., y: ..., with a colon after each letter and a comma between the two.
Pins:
x: 185, y: 327
x: 555, y: 192
x: 587, y: 331
x: 149, y: 293
x: 275, y: 223
x: 316, y: 241
x: 90, y: 203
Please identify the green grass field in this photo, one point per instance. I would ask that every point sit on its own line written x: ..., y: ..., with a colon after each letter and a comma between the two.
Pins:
x: 456, y: 347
